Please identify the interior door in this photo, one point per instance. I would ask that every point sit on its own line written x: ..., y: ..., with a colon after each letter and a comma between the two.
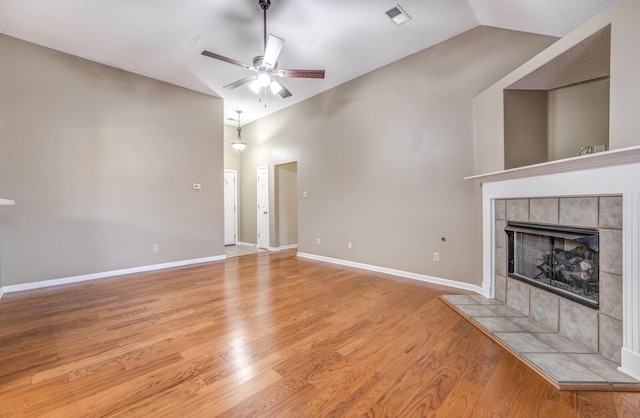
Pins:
x: 230, y: 218
x: 263, y: 207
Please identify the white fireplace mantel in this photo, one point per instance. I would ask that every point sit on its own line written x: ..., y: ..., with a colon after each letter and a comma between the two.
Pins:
x: 609, y: 173
x: 585, y: 162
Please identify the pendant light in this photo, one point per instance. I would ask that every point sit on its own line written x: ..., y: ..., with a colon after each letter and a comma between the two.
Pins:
x: 239, y: 144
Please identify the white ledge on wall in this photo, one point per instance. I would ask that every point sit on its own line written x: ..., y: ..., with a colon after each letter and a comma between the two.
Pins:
x: 7, y: 202
x: 584, y: 162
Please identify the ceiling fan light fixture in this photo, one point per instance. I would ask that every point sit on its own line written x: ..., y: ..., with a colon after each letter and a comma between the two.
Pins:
x: 266, y: 66
x: 264, y: 79
x: 275, y: 87
x: 255, y: 86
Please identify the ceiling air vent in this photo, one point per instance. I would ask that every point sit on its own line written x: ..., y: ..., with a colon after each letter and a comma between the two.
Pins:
x: 397, y: 15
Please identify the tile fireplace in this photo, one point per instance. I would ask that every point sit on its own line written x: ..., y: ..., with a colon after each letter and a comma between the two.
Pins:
x: 599, y: 193
x: 550, y: 271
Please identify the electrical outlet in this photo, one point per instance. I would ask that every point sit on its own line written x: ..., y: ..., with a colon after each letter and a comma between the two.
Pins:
x: 197, y: 186
x: 318, y: 241
x: 349, y: 245
x: 436, y: 256
x: 305, y: 194
x: 155, y: 248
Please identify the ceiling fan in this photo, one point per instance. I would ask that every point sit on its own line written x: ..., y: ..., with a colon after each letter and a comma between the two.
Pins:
x: 266, y: 65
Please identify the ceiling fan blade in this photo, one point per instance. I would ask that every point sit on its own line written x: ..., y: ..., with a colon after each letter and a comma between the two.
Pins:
x: 284, y: 93
x: 241, y: 82
x: 272, y: 51
x: 225, y: 59
x: 302, y: 73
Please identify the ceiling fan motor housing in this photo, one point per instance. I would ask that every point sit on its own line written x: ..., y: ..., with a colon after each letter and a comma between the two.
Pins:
x: 258, y: 64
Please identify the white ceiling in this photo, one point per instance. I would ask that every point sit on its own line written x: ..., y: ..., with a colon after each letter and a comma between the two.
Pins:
x: 163, y: 39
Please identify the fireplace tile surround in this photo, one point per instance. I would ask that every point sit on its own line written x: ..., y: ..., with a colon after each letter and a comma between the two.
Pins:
x: 600, y: 332
x: 566, y: 192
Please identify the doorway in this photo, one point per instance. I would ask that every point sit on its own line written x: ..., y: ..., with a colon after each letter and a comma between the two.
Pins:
x: 286, y: 205
x: 230, y: 207
x: 263, y: 207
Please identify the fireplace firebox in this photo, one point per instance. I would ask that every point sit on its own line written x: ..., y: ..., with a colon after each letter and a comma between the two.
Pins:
x: 560, y: 260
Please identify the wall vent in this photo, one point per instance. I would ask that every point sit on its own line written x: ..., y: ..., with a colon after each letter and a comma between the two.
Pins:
x: 397, y: 15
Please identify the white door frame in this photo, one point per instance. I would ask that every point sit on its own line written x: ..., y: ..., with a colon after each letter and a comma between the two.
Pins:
x: 267, y: 221
x: 235, y: 204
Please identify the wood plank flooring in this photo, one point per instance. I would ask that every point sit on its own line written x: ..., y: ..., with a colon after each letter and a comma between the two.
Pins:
x: 265, y: 335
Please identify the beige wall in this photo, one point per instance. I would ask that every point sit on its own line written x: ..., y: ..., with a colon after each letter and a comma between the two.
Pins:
x: 383, y: 157
x: 578, y: 116
x: 286, y: 208
x: 624, y: 100
x: 231, y: 156
x: 101, y: 163
x: 232, y: 162
x: 525, y: 127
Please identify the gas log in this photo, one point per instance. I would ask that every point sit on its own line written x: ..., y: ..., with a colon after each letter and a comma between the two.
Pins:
x: 570, y: 267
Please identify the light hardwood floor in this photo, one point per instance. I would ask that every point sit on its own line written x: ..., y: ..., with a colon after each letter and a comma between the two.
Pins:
x: 265, y: 335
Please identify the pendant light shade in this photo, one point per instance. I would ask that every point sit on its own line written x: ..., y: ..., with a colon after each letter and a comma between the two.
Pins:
x: 239, y: 144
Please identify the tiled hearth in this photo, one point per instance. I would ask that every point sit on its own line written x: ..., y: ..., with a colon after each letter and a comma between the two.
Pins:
x: 564, y: 362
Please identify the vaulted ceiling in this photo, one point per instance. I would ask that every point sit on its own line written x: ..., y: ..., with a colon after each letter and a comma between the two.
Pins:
x: 163, y: 39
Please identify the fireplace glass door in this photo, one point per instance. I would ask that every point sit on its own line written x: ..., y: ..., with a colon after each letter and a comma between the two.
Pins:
x: 560, y: 260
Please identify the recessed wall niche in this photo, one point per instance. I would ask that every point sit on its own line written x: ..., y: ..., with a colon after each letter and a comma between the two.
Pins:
x: 560, y: 108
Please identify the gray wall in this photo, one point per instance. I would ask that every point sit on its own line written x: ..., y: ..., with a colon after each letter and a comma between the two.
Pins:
x: 231, y: 156
x: 286, y: 208
x: 525, y: 127
x: 383, y: 157
x: 101, y: 163
x: 232, y: 162
x: 578, y: 116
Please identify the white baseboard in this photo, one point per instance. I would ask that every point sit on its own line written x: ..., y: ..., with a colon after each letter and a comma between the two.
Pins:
x: 246, y: 244
x: 486, y: 290
x: 102, y: 275
x: 284, y: 247
x: 630, y: 363
x: 393, y: 272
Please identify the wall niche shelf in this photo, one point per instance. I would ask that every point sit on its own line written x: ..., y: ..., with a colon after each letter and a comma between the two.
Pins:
x: 562, y: 107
